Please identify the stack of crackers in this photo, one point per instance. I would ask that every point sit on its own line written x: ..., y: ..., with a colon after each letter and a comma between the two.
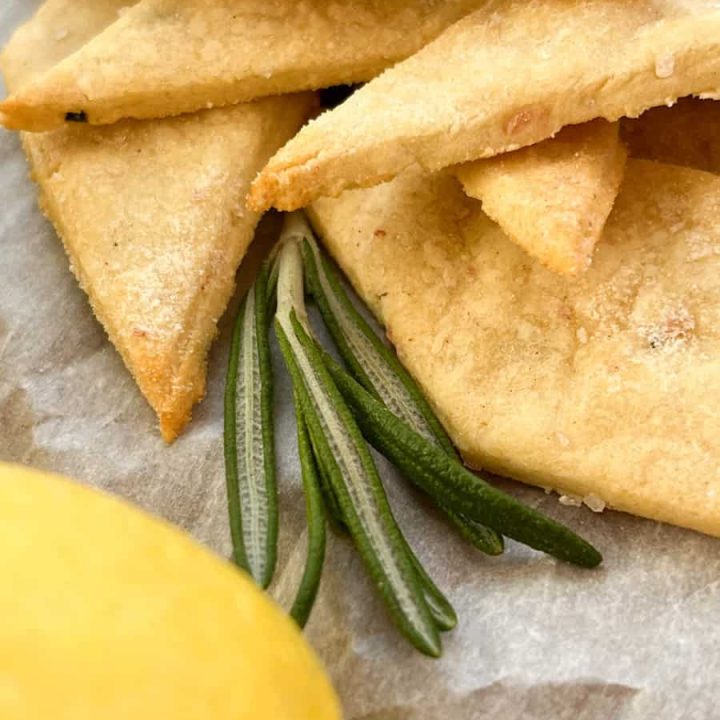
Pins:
x: 524, y: 191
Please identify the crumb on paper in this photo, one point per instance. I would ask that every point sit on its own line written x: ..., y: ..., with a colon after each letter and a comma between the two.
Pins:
x: 591, y: 501
x: 596, y: 504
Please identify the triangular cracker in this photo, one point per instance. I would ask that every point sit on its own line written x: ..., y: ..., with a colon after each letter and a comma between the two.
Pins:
x: 507, y: 76
x: 686, y: 134
x: 166, y: 57
x: 553, y: 198
x: 604, y: 386
x: 151, y: 215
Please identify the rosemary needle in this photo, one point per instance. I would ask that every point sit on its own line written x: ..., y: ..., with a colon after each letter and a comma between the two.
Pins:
x: 450, y: 482
x: 439, y: 606
x: 248, y: 439
x: 442, y: 611
x: 478, y: 535
x: 346, y: 457
x: 332, y: 506
x: 315, y: 514
x: 379, y: 371
x: 372, y: 364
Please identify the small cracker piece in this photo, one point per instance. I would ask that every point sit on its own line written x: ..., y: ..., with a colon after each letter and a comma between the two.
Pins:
x: 553, y: 198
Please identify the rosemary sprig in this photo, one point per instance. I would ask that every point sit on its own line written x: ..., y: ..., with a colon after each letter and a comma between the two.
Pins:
x: 442, y: 611
x: 248, y: 439
x: 379, y: 371
x: 315, y: 516
x: 346, y: 458
x: 340, y: 480
x: 447, y: 479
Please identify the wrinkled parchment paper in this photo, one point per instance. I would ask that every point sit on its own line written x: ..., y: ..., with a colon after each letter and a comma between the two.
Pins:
x: 636, y: 639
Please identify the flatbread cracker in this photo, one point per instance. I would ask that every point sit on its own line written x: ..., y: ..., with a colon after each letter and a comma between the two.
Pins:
x: 602, y: 386
x: 553, y: 198
x: 166, y: 57
x: 152, y: 218
x: 507, y: 76
x: 686, y: 134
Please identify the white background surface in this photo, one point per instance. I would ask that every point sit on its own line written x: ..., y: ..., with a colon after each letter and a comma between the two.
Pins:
x: 636, y: 639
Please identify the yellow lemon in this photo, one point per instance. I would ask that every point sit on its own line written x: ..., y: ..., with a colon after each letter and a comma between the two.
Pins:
x: 109, y: 614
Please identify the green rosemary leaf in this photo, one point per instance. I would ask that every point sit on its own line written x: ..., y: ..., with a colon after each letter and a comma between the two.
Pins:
x: 372, y: 364
x: 332, y: 507
x: 442, y: 611
x: 271, y: 286
x: 315, y: 515
x: 479, y: 536
x: 440, y: 608
x: 377, y: 368
x: 249, y: 443
x: 346, y: 457
x: 452, y: 484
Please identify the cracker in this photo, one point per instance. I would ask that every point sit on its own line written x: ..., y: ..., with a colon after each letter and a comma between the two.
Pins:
x: 604, y: 386
x: 553, y: 198
x: 166, y: 57
x: 152, y: 218
x: 507, y: 76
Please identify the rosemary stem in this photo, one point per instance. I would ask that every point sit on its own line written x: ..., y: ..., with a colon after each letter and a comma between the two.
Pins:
x: 346, y: 457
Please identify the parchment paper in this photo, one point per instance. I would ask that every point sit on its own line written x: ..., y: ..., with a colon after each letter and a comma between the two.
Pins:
x: 537, y: 639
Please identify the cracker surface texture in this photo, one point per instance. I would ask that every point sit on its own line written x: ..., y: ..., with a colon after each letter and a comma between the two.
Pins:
x: 605, y: 385
x: 506, y: 76
x: 553, y: 198
x: 152, y: 216
x: 166, y: 57
x: 58, y: 29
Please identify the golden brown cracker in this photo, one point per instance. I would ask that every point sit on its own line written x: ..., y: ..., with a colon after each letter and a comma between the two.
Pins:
x: 606, y: 385
x: 553, y: 198
x: 506, y: 76
x: 166, y: 57
x: 152, y: 217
